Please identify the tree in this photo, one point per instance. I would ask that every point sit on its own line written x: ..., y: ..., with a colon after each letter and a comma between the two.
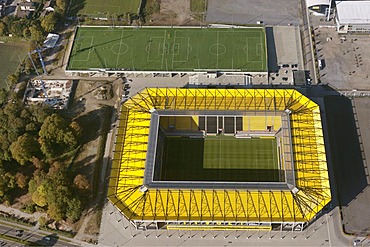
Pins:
x: 76, y: 129
x: 38, y: 163
x: 25, y: 148
x: 42, y: 221
x: 16, y: 28
x: 3, y: 96
x: 13, y: 78
x: 49, y: 22
x: 21, y: 180
x: 36, y: 33
x: 26, y: 32
x: 81, y: 182
x: 39, y: 196
x: 62, y: 5
x: 3, y: 28
x: 55, y: 212
x: 56, y: 137
x: 40, y: 113
x: 74, y: 209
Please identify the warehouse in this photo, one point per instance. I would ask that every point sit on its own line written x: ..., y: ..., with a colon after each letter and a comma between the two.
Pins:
x: 352, y: 16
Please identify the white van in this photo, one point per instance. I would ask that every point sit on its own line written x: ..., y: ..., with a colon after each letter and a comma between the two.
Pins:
x: 321, y: 63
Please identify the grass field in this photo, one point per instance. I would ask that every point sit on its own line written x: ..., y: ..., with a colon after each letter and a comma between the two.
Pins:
x: 169, y: 49
x: 221, y: 158
x: 11, y: 54
x: 98, y: 8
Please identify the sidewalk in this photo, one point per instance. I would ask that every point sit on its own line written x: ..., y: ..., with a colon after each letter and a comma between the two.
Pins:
x: 19, y: 214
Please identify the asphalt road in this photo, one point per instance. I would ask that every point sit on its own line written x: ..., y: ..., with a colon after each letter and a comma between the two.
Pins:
x: 32, y: 236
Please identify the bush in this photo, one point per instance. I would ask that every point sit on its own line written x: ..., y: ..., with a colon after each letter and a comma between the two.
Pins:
x: 29, y: 208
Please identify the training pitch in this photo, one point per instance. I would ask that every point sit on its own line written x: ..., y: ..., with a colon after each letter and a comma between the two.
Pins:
x: 220, y: 158
x: 169, y: 49
x: 12, y: 54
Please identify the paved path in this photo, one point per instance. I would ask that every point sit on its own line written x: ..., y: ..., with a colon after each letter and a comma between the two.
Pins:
x: 308, y: 52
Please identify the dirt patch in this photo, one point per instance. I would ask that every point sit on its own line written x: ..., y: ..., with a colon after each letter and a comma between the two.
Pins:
x: 90, y: 110
x: 173, y: 12
x: 93, y: 225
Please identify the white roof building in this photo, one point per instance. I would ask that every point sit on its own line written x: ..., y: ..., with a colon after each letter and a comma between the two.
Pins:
x: 318, y: 7
x: 51, y: 40
x: 353, y: 16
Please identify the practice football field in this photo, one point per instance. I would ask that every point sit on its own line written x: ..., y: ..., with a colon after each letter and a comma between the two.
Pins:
x: 12, y: 54
x: 169, y: 49
x: 220, y: 158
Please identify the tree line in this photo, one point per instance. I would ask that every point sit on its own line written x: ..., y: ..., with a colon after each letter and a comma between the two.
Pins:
x: 36, y: 146
x: 36, y: 27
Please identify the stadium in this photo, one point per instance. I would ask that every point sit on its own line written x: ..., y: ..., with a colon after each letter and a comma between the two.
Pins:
x: 219, y: 159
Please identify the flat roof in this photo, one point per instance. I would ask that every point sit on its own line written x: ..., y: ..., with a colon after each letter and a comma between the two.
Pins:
x: 353, y: 12
x: 311, y: 3
x: 51, y: 40
x: 287, y: 43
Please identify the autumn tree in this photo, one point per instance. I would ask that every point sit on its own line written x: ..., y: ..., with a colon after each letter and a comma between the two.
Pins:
x: 49, y: 22
x: 3, y: 28
x: 36, y: 33
x: 24, y: 148
x: 62, y: 5
x: 56, y: 136
x: 55, y: 212
x: 81, y: 182
x: 3, y: 96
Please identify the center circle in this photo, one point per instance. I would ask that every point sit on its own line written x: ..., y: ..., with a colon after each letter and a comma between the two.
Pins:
x: 217, y: 49
x: 119, y: 48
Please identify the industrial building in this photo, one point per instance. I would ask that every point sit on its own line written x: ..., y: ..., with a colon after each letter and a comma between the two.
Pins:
x: 352, y: 16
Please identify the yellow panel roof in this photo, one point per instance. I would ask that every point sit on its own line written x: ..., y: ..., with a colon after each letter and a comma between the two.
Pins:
x: 168, y: 204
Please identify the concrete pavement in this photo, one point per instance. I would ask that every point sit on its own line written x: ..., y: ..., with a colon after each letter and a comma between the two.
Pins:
x: 325, y: 231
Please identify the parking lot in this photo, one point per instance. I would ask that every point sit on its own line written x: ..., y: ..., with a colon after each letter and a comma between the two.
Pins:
x: 268, y: 12
x: 346, y: 66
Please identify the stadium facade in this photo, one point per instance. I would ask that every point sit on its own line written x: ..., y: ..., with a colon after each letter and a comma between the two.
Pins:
x: 290, y: 203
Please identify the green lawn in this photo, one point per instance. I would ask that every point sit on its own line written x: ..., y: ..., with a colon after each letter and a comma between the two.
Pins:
x: 169, y: 49
x: 98, y: 8
x: 221, y: 158
x: 11, y: 54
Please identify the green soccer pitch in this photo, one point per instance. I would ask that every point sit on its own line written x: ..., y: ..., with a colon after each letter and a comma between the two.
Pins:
x: 169, y: 49
x: 219, y: 158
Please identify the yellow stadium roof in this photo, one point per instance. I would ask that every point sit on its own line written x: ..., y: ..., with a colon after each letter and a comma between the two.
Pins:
x: 139, y: 203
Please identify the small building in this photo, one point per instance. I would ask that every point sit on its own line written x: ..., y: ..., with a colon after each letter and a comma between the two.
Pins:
x: 318, y: 7
x: 299, y: 78
x: 23, y: 13
x: 352, y: 16
x: 27, y: 6
x: 54, y: 93
x: 51, y: 41
x: 48, y: 8
x: 24, y: 9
